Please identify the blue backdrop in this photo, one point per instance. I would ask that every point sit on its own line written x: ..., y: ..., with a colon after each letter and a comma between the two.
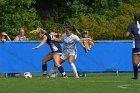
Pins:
x: 104, y: 56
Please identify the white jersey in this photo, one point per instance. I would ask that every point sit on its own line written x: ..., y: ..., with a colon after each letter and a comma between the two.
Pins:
x: 69, y: 45
x: 70, y: 41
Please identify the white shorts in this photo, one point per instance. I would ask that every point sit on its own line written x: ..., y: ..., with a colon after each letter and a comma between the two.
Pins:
x: 69, y: 52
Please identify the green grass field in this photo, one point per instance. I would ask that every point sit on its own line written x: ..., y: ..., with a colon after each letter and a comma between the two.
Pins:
x: 92, y: 84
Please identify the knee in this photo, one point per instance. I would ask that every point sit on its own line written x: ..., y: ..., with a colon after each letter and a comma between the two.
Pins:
x: 56, y: 64
x: 135, y: 63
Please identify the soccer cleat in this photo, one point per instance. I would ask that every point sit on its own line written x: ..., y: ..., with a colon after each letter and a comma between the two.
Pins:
x: 54, y: 75
x: 138, y: 65
x: 45, y: 76
x: 77, y: 77
x: 83, y: 74
x: 134, y: 78
x: 65, y: 76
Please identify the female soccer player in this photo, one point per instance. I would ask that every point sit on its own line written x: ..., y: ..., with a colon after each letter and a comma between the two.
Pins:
x: 134, y: 30
x: 55, y: 54
x: 70, y: 52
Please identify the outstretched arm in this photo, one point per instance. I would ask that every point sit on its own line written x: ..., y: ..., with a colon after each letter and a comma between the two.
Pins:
x: 41, y: 43
x: 81, y: 43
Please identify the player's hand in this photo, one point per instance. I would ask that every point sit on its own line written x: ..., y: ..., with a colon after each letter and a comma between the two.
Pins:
x: 3, y: 40
x: 35, y: 48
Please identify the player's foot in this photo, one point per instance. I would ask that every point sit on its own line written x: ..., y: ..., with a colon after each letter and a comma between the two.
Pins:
x: 45, y: 76
x: 138, y: 65
x: 134, y: 78
x: 65, y: 76
x: 84, y: 74
x: 77, y: 77
x: 53, y: 75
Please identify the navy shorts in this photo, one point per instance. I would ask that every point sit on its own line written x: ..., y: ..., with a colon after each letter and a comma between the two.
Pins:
x: 59, y: 51
x: 136, y: 51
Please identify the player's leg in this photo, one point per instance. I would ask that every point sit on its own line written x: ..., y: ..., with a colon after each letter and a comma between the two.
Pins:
x: 57, y: 59
x: 58, y: 64
x: 71, y: 60
x: 135, y: 59
x: 138, y: 63
x: 47, y: 58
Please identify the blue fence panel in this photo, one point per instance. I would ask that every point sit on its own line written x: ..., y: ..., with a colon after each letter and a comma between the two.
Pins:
x: 17, y: 57
x: 106, y: 56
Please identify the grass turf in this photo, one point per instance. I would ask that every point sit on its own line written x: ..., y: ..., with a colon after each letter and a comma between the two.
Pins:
x: 94, y: 84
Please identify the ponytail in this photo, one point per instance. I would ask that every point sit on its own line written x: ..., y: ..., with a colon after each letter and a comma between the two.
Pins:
x: 137, y: 18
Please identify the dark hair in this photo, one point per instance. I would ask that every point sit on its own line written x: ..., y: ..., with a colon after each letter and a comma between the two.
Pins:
x: 137, y: 18
x: 71, y: 28
x: 84, y: 32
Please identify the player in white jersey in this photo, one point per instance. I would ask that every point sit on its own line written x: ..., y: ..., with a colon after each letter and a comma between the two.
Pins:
x: 70, y: 52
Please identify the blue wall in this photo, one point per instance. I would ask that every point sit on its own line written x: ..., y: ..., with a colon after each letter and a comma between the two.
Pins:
x: 104, y: 56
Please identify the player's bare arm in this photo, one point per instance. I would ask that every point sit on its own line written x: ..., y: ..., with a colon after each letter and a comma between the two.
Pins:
x: 41, y: 43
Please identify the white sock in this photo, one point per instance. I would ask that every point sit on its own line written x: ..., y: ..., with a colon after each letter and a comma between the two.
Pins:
x: 52, y: 70
x: 74, y: 69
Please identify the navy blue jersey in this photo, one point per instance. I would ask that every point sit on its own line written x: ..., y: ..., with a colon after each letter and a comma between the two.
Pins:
x: 133, y: 29
x: 54, y: 45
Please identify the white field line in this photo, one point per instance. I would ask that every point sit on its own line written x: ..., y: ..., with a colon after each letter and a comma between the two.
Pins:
x: 129, y: 86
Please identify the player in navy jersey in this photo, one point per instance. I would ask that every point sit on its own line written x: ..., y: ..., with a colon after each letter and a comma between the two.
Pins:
x: 55, y: 48
x: 134, y: 30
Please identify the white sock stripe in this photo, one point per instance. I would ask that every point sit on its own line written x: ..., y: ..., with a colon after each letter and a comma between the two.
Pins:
x: 138, y: 25
x: 63, y: 73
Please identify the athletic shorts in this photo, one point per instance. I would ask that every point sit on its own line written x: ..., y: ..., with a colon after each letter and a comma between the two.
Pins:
x: 59, y: 51
x: 69, y: 52
x: 136, y: 51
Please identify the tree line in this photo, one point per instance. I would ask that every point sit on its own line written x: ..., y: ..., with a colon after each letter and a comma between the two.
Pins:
x: 104, y: 19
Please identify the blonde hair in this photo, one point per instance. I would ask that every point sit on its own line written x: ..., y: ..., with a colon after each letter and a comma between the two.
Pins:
x: 6, y: 36
x: 21, y: 29
x: 38, y: 30
x: 3, y: 33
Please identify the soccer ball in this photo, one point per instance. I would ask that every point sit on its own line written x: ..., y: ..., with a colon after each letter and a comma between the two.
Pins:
x: 27, y: 75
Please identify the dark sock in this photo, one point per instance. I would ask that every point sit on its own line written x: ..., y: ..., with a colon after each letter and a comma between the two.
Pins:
x: 135, y: 68
x: 61, y: 70
x: 44, y: 67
